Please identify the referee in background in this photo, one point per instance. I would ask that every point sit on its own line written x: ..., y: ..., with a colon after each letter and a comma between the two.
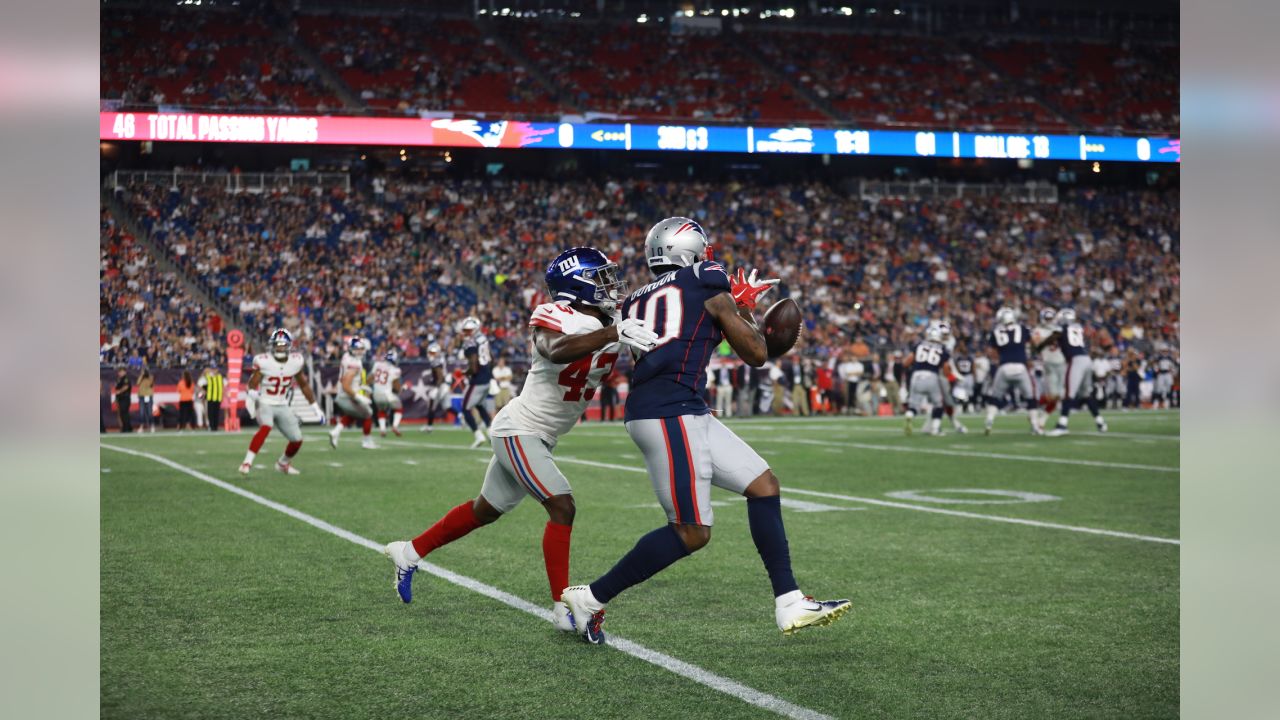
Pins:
x: 213, y: 386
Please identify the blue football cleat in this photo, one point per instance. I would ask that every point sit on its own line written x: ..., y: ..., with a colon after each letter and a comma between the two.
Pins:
x: 403, y: 578
x: 587, y: 612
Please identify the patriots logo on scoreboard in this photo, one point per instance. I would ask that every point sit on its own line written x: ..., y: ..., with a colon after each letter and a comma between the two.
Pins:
x: 487, y: 133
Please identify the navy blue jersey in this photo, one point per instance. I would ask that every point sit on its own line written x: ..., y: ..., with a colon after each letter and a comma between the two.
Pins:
x: 963, y: 365
x: 930, y: 356
x: 1071, y: 340
x: 671, y: 379
x: 1010, y: 341
x: 477, y: 346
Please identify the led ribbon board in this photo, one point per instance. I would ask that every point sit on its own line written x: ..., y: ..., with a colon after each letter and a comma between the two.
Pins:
x: 460, y: 132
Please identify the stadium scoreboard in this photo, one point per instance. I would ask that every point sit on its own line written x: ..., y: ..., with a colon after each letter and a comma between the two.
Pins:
x: 517, y: 134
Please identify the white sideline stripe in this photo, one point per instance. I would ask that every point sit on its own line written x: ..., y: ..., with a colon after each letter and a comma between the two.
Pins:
x: 662, y: 660
x: 980, y: 516
x: 922, y: 508
x: 972, y: 453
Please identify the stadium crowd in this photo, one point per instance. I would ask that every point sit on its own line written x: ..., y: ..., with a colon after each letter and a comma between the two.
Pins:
x: 402, y: 264
x: 147, y: 317
x: 409, y: 64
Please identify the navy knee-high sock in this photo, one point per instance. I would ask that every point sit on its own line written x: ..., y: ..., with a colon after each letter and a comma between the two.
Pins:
x: 651, y: 555
x: 484, y: 414
x: 765, y: 516
x: 470, y: 419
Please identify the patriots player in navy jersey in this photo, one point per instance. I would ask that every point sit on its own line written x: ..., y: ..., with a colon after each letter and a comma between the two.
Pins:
x: 691, y: 306
x: 927, y: 384
x: 1009, y: 342
x: 1079, y: 386
x: 475, y: 348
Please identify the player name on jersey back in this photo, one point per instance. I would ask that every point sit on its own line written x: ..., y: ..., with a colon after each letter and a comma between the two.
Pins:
x: 670, y: 379
x: 555, y: 394
x: 277, y: 377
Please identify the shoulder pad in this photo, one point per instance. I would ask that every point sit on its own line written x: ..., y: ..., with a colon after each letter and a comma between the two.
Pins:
x: 711, y: 274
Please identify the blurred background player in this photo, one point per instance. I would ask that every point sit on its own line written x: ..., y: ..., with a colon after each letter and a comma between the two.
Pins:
x: 275, y: 374
x: 575, y: 344
x: 927, y: 386
x: 438, y: 382
x: 690, y: 307
x: 386, y: 392
x: 1079, y: 383
x: 964, y: 388
x: 1052, y: 362
x: 353, y: 401
x: 1162, y: 389
x: 475, y: 348
x: 1009, y: 341
x: 949, y: 377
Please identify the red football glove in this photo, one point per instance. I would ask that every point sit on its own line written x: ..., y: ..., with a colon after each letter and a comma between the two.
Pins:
x: 747, y: 290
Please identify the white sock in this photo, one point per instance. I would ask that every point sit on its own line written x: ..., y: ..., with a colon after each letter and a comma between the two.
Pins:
x: 337, y: 429
x: 991, y: 415
x: 382, y: 423
x: 411, y: 555
x: 786, y: 599
x: 395, y: 420
x: 249, y: 456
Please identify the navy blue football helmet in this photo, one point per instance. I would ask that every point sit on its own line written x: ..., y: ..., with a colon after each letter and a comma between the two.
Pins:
x: 585, y: 275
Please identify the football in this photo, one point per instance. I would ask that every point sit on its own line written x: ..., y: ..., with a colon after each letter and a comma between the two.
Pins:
x: 781, y: 327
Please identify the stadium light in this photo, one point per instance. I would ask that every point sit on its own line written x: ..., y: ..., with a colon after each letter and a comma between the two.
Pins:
x: 642, y: 19
x: 846, y: 11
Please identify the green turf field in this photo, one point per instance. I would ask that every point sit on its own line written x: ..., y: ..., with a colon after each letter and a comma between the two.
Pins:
x: 215, y: 605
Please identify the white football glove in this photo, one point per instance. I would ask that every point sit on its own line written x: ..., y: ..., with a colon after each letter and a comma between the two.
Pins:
x: 315, y: 407
x: 634, y: 334
x: 251, y: 403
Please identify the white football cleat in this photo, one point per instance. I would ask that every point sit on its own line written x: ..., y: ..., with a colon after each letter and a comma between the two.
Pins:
x: 368, y: 444
x: 333, y: 436
x: 245, y: 468
x: 1058, y: 432
x: 480, y: 439
x: 960, y: 428
x: 588, y: 613
x: 1102, y: 425
x: 287, y: 468
x: 402, y: 578
x: 425, y: 429
x: 807, y: 612
x: 562, y: 617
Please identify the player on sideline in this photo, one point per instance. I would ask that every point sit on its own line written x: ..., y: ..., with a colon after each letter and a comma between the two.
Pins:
x: 276, y: 373
x: 352, y: 400
x: 1009, y: 340
x: 1052, y: 361
x: 1162, y: 392
x: 575, y: 343
x: 386, y: 392
x: 1070, y: 337
x: 691, y: 305
x: 475, y: 348
x: 438, y: 390
x: 928, y: 384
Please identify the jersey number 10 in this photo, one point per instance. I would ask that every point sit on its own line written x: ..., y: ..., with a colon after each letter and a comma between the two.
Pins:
x: 673, y: 314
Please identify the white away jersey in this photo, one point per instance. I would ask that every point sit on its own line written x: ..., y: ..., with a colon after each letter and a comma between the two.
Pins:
x: 277, y: 377
x: 351, y: 362
x: 384, y: 374
x: 555, y: 395
x: 1051, y: 354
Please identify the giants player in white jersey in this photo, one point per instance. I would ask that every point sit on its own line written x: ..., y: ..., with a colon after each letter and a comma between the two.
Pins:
x: 353, y: 399
x: 274, y: 376
x: 576, y: 340
x: 1053, y: 362
x: 437, y: 379
x: 386, y: 392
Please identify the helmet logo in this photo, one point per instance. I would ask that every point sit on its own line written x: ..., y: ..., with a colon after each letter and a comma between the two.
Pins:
x: 686, y: 226
x: 570, y: 263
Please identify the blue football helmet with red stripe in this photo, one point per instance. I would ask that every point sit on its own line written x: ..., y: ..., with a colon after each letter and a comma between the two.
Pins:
x: 585, y: 275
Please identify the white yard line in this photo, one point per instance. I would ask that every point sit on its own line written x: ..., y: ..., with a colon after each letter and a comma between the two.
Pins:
x: 920, y: 508
x: 662, y: 660
x: 969, y: 453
